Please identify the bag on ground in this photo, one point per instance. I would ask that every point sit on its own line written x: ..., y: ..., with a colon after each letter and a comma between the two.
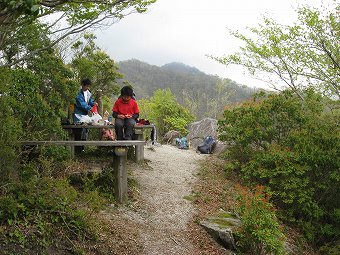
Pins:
x: 182, y: 143
x: 207, y: 146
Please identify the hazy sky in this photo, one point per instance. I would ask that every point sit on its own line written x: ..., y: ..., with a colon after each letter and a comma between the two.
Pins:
x: 188, y: 30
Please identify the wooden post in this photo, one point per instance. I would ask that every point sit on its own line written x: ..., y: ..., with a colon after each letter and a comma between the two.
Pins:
x: 139, y: 150
x: 71, y: 138
x: 120, y: 173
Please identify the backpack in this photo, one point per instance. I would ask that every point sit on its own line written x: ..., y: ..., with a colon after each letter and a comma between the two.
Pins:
x: 182, y: 143
x: 207, y: 146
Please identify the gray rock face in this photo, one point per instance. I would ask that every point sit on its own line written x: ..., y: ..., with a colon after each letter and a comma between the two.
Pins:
x: 200, y: 129
x: 221, y: 228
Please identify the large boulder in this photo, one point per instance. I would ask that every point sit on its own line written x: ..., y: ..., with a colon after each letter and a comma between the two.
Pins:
x: 222, y: 228
x: 200, y: 129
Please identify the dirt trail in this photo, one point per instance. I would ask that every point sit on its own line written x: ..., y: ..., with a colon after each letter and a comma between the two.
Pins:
x: 164, y: 213
x: 159, y: 220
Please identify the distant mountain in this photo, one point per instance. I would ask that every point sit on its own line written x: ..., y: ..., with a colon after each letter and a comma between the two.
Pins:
x: 181, y: 68
x: 204, y: 95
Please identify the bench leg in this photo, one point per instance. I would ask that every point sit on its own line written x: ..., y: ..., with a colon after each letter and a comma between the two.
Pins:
x: 120, y: 173
x: 71, y: 147
x: 139, y: 153
x: 139, y: 149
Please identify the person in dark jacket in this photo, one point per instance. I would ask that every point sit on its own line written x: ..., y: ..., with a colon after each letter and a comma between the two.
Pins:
x: 125, y: 111
x: 84, y: 102
x: 82, y: 108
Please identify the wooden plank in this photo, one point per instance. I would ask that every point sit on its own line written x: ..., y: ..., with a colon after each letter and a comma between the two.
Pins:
x: 144, y: 126
x: 88, y: 143
x: 90, y: 126
x: 93, y: 126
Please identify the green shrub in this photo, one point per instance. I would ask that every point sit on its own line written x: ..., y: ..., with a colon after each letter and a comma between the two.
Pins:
x: 165, y: 112
x: 36, y: 210
x: 291, y: 147
x: 260, y: 231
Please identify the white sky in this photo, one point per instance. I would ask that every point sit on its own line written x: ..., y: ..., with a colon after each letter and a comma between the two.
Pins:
x: 188, y: 30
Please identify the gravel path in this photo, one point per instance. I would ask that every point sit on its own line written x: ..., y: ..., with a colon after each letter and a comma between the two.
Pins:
x: 164, y: 212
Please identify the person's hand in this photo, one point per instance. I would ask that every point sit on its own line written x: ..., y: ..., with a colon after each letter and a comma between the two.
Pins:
x: 128, y: 116
x: 121, y: 116
x: 95, y: 103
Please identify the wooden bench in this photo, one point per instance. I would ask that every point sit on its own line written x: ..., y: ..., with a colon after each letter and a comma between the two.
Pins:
x: 138, y: 130
x: 119, y: 159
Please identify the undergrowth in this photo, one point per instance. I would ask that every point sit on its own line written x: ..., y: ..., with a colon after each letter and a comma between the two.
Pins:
x: 261, y: 231
x: 43, y: 210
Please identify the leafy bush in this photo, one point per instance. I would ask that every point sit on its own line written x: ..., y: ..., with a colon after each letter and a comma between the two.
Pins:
x: 260, y: 232
x: 290, y: 146
x: 27, y: 210
x: 165, y: 112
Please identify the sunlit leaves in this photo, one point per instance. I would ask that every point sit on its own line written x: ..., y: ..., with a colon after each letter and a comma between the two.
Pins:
x: 163, y: 110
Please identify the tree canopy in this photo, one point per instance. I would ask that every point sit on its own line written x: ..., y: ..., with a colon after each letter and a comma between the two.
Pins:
x: 306, y: 54
x: 64, y: 18
x: 92, y: 62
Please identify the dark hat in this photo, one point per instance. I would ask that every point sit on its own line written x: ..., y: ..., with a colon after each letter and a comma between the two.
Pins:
x: 85, y: 82
x: 126, y: 91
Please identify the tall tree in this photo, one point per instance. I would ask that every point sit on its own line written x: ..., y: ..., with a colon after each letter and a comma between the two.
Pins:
x: 306, y: 54
x: 92, y: 62
x: 69, y: 17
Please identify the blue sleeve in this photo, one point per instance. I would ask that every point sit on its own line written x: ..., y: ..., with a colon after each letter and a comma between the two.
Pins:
x: 82, y: 104
x: 91, y: 102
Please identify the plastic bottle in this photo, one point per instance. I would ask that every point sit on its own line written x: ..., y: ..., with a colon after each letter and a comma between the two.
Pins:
x: 106, y: 115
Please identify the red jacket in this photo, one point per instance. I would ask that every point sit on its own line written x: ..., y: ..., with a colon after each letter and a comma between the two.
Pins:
x: 125, y: 108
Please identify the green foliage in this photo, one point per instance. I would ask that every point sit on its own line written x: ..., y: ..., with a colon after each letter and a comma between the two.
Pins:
x: 32, y: 100
x: 21, y: 7
x: 291, y: 147
x: 79, y: 16
x: 10, y: 131
x: 96, y: 183
x: 260, y: 232
x: 299, y: 56
x: 91, y: 62
x: 290, y: 143
x: 165, y: 112
x: 32, y: 206
x: 37, y: 202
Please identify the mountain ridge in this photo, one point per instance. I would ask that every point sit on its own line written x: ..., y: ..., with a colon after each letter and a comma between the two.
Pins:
x: 203, y: 94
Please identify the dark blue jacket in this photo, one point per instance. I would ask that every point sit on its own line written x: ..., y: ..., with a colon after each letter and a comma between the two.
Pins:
x: 81, y: 106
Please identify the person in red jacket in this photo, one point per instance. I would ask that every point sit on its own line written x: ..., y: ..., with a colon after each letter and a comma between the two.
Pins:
x: 125, y: 111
